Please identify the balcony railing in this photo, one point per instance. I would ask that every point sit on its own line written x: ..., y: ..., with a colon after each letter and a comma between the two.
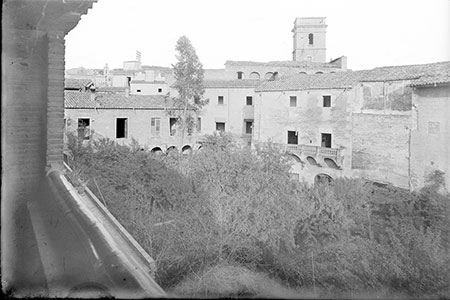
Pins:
x: 314, y: 151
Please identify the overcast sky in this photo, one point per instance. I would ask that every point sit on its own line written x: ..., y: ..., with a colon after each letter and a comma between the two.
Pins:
x: 371, y: 33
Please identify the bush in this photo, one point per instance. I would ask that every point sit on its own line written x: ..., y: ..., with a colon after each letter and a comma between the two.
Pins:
x: 237, y: 207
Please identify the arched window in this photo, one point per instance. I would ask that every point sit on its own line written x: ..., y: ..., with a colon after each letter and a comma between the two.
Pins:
x: 311, y: 39
x: 254, y: 75
x: 302, y: 73
x: 312, y: 161
x: 322, y: 178
x: 156, y: 150
x: 319, y: 72
x: 331, y: 163
x: 186, y: 149
x: 268, y: 75
x: 171, y: 148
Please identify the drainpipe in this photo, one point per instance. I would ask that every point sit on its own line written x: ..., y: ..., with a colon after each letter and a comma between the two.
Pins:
x: 409, y: 160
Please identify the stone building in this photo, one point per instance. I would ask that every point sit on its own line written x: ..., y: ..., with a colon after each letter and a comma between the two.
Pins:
x: 310, y: 36
x: 122, y: 118
x: 360, y: 124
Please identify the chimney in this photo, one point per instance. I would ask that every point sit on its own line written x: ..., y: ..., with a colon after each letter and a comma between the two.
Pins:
x: 150, y: 76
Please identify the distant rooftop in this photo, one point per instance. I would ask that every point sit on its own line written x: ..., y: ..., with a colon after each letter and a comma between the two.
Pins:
x: 70, y: 83
x: 77, y: 100
x: 420, y: 74
x: 237, y: 83
x: 284, y: 63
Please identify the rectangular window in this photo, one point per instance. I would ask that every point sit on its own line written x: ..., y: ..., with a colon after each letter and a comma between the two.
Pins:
x: 293, y: 101
x: 240, y: 75
x: 121, y: 128
x: 155, y: 126
x: 138, y: 91
x: 84, y: 128
x: 220, y: 100
x: 292, y: 137
x: 326, y: 140
x: 249, y: 100
x: 220, y: 126
x: 248, y: 126
x: 159, y: 90
x: 172, y: 123
x: 326, y: 101
x: 199, y: 124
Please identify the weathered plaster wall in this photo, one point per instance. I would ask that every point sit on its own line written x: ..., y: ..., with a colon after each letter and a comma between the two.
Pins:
x: 233, y: 111
x: 103, y: 125
x: 149, y: 88
x: 386, y: 96
x: 430, y: 147
x: 381, y: 147
x: 274, y: 118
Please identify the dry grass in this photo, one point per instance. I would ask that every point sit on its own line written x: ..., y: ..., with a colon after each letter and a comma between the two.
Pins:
x: 228, y: 281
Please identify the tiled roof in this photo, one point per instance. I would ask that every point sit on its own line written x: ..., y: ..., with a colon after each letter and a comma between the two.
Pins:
x: 407, y: 72
x: 76, y: 99
x: 313, y: 81
x: 417, y: 73
x: 287, y: 63
x: 238, y: 83
x: 432, y: 80
x: 148, y: 82
x: 70, y: 83
x: 115, y: 101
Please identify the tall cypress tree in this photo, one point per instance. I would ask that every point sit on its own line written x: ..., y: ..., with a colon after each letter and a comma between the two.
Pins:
x: 188, y: 72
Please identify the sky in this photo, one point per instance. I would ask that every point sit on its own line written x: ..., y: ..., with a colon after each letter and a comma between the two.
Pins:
x: 371, y: 33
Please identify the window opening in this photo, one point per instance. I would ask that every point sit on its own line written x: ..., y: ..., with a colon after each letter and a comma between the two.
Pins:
x: 326, y: 101
x: 326, y: 140
x: 220, y: 100
x: 199, y: 124
x: 311, y: 39
x: 155, y: 126
x: 249, y: 100
x: 121, y: 128
x: 292, y: 138
x: 84, y: 128
x: 172, y: 122
x: 249, y: 127
x: 293, y: 101
x: 220, y: 126
x: 159, y: 90
x: 240, y: 75
x: 138, y: 91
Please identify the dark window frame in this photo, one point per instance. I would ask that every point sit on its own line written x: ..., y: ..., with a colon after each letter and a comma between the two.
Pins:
x: 292, y: 100
x: 326, y: 140
x: 292, y: 137
x: 326, y: 101
x: 121, y: 129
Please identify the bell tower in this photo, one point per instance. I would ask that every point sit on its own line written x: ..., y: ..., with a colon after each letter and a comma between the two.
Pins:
x: 310, y: 39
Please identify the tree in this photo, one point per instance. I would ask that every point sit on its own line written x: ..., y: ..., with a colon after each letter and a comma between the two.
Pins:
x: 189, y: 75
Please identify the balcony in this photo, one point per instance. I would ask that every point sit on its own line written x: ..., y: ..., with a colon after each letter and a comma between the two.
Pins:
x: 316, y: 152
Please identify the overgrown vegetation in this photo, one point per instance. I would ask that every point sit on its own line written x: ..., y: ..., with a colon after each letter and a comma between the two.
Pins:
x: 237, y: 208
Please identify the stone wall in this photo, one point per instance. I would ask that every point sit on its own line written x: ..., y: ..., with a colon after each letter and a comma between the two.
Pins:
x: 103, y: 125
x: 381, y: 147
x: 430, y: 147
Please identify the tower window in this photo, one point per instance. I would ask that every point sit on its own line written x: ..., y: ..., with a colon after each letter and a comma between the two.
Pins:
x: 326, y: 101
x: 326, y: 140
x: 220, y: 100
x: 249, y: 100
x: 240, y: 75
x: 159, y: 90
x: 311, y: 39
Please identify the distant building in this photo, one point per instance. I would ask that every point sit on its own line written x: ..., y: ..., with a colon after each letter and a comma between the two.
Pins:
x: 388, y: 124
